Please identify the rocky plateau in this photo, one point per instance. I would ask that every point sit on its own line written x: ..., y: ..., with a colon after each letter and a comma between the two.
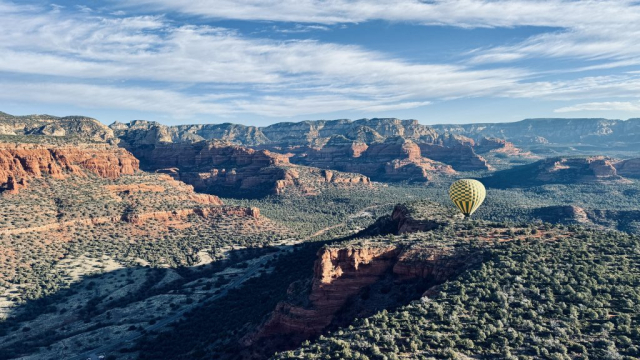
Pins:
x: 565, y: 170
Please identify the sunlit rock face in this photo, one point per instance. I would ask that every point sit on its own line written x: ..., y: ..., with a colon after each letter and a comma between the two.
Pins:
x: 628, y: 168
x: 20, y: 163
x: 603, y: 132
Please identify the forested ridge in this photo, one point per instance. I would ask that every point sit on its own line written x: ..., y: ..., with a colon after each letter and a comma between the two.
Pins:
x: 569, y: 297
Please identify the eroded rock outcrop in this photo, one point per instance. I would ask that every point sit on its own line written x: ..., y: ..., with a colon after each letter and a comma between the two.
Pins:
x: 396, y: 159
x: 142, y: 218
x: 382, y: 149
x: 342, y: 273
x: 21, y: 162
x: 405, y: 220
x: 223, y: 168
x: 602, y: 132
x: 628, y: 168
x: 461, y: 157
x: 566, y: 214
x: 558, y: 170
x: 500, y: 146
x: 72, y: 126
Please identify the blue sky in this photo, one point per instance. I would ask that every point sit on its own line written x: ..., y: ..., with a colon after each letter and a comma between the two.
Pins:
x: 260, y: 62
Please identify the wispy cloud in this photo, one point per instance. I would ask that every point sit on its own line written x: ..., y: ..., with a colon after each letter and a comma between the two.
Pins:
x: 595, y: 29
x: 462, y: 13
x: 299, y: 28
x: 303, y: 76
x: 602, y: 106
x: 111, y: 60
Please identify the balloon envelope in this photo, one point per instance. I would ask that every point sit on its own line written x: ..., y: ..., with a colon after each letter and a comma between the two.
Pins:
x: 467, y: 195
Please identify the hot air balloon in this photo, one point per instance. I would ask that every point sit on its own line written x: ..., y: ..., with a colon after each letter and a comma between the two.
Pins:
x: 467, y: 195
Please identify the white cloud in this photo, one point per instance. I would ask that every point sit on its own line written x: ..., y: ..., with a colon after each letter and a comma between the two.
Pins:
x: 180, y: 105
x: 464, y: 13
x: 601, y: 106
x: 149, y: 62
x: 579, y: 89
x: 299, y: 28
x: 592, y: 30
x: 114, y: 97
x: 281, y: 78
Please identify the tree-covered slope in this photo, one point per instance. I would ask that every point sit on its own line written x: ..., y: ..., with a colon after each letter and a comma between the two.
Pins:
x: 573, y: 297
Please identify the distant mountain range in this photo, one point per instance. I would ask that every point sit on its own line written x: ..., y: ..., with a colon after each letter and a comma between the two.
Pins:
x: 566, y: 170
x: 47, y: 125
x: 589, y: 131
x: 231, y: 156
x: 594, y: 131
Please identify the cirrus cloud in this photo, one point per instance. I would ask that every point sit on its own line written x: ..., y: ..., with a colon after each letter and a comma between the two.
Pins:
x: 108, y: 59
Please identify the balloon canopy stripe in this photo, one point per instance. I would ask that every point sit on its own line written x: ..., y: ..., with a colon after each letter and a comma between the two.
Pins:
x: 467, y: 195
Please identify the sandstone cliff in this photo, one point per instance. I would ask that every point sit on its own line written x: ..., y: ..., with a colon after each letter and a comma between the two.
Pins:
x: 142, y: 132
x: 78, y: 126
x: 367, y: 130
x: 383, y: 143
x: 565, y: 214
x: 223, y: 168
x: 558, y: 170
x: 341, y: 273
x: 500, y: 146
x: 628, y: 168
x: 601, y: 132
x: 396, y: 159
x: 21, y: 162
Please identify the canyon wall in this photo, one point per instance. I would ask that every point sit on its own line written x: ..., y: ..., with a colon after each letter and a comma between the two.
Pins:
x: 20, y: 163
x: 395, y: 159
x: 223, y: 168
x: 70, y: 126
x: 342, y: 273
x: 601, y: 132
x: 628, y: 168
x: 558, y: 170
x: 382, y: 149
x: 500, y: 146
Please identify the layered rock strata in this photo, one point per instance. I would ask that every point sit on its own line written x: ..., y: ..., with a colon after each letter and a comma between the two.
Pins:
x: 218, y: 168
x: 396, y: 159
x: 20, y: 163
x: 341, y: 273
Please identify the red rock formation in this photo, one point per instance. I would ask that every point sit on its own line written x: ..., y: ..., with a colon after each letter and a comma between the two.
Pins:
x: 558, y: 170
x: 500, y: 146
x: 628, y: 168
x: 341, y: 273
x: 141, y: 218
x: 602, y: 167
x: 13, y: 186
x: 460, y: 157
x: 563, y: 214
x: 19, y: 163
x: 396, y: 159
x: 310, y: 179
x: 216, y: 167
x: 338, y: 275
x: 581, y: 169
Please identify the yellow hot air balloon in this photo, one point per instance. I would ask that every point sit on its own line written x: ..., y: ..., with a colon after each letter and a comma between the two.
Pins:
x: 467, y: 195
